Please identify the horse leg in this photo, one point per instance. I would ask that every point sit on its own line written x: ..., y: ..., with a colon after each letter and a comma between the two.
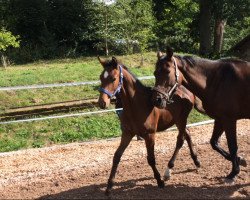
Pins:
x: 179, y: 144
x: 217, y: 132
x: 150, y: 142
x: 125, y: 140
x: 230, y: 129
x: 191, y: 148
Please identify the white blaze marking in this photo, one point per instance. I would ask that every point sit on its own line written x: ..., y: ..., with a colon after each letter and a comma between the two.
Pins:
x: 105, y: 75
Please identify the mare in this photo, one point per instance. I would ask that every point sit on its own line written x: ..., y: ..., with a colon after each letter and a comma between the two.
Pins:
x: 140, y: 117
x: 222, y: 85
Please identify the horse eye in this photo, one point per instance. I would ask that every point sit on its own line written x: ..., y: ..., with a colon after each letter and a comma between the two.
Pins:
x: 113, y: 79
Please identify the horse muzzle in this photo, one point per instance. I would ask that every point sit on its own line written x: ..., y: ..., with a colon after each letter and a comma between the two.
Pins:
x: 103, y: 104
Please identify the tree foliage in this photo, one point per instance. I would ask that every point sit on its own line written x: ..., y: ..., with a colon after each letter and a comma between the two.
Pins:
x: 61, y: 28
x: 7, y: 40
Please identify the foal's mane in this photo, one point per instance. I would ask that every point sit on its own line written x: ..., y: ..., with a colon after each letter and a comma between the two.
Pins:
x: 136, y: 79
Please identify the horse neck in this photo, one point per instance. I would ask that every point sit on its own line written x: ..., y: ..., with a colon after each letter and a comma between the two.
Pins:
x: 133, y: 93
x: 195, y: 77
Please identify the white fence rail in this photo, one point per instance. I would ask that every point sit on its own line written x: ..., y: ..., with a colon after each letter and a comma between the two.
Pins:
x: 60, y: 85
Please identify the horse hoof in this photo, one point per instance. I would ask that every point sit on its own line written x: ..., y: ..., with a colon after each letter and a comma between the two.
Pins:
x: 197, y: 164
x: 107, y: 192
x: 161, y: 184
x: 243, y: 162
x: 167, y: 175
x: 229, y: 180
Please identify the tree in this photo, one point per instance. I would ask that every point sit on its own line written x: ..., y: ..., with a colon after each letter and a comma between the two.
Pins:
x: 205, y: 27
x: 7, y: 40
x: 175, y: 23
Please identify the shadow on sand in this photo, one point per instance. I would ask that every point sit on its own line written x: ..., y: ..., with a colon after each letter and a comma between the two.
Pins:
x: 132, y: 189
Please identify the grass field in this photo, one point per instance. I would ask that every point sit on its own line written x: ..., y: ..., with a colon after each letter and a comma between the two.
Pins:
x: 45, y: 133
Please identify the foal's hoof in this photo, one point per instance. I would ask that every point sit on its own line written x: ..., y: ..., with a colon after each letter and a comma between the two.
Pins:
x: 167, y: 174
x: 107, y: 192
x: 197, y: 163
x: 161, y: 184
x: 229, y: 180
x: 242, y: 162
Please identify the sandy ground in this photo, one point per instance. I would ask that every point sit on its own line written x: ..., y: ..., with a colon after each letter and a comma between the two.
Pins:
x: 81, y: 170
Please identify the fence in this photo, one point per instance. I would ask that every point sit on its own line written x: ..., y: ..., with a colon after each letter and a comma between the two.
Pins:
x: 60, y: 85
x: 76, y: 114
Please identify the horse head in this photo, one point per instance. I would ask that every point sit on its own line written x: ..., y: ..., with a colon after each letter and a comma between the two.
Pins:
x: 111, y: 81
x: 167, y: 78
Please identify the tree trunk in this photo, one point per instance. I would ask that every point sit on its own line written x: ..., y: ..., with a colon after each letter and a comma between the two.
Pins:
x: 106, y: 31
x: 142, y: 60
x: 205, y: 28
x: 218, y: 34
x: 3, y: 60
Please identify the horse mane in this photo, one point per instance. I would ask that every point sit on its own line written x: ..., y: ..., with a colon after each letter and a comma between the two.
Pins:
x: 136, y: 79
x: 193, y: 60
x: 188, y: 59
x: 234, y: 60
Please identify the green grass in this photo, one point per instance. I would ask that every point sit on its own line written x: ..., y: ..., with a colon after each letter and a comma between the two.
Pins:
x: 56, y: 131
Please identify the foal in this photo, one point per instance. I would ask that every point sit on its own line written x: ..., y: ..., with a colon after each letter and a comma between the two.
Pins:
x: 140, y: 117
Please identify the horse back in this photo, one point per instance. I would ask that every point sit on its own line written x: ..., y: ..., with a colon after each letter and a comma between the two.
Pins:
x: 228, y: 89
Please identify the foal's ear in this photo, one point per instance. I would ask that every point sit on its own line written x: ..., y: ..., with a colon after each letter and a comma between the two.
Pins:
x: 114, y: 62
x: 170, y: 53
x: 159, y: 54
x: 101, y: 61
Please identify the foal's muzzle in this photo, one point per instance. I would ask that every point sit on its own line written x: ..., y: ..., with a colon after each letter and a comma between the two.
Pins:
x: 103, y: 104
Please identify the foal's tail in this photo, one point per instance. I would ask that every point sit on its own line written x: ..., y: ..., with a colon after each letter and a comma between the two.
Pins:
x: 198, y: 105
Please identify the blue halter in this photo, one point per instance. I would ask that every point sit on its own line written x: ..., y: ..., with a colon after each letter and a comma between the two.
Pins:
x: 118, y: 88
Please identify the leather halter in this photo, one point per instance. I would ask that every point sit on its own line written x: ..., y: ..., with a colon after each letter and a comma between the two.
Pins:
x: 118, y: 89
x: 169, y: 94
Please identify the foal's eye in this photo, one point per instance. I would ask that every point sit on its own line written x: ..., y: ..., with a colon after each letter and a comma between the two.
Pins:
x: 113, y: 79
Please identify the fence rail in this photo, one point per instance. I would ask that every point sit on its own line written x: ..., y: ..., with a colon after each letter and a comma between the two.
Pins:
x: 27, y: 87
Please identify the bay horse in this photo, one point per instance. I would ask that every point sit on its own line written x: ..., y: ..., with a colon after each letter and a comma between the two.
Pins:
x: 223, y: 87
x: 140, y: 117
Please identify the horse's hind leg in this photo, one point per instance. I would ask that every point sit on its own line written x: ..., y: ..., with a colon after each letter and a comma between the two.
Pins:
x: 150, y: 142
x: 125, y: 140
x: 217, y: 132
x: 191, y: 148
x: 230, y: 129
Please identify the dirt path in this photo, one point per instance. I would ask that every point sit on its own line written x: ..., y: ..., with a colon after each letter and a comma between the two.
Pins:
x: 80, y: 170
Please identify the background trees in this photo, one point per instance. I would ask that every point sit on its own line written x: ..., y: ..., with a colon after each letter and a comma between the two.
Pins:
x: 61, y: 28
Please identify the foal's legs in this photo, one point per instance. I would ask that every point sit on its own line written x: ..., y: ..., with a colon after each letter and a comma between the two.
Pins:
x: 125, y: 140
x: 217, y: 132
x: 150, y: 142
x: 183, y: 134
x: 191, y: 148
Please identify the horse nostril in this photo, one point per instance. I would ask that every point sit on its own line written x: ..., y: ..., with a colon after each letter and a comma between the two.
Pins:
x: 102, y: 104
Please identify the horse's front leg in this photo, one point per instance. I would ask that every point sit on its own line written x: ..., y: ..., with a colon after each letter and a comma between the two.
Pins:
x: 125, y: 140
x: 150, y: 142
x: 179, y: 144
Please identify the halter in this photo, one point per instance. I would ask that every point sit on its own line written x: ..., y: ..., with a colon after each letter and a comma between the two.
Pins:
x: 118, y: 89
x: 168, y: 95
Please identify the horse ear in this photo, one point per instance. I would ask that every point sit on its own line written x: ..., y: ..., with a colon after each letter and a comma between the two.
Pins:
x: 114, y: 62
x: 159, y: 54
x: 170, y: 53
x: 101, y: 61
